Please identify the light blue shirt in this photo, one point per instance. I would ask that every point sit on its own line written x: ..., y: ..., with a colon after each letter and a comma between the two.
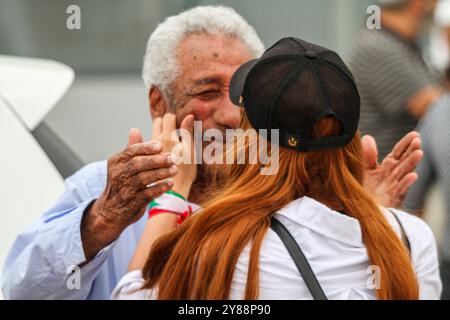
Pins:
x: 40, y: 260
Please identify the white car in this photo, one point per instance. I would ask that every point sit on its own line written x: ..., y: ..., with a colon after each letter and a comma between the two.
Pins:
x: 29, y: 181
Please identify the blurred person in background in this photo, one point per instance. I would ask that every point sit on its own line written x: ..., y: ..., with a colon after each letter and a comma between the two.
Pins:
x: 97, y: 222
x: 435, y: 168
x: 439, y: 49
x: 395, y: 83
x: 435, y: 133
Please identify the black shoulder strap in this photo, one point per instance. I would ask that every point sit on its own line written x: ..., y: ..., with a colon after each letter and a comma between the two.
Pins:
x: 405, y: 238
x: 299, y: 259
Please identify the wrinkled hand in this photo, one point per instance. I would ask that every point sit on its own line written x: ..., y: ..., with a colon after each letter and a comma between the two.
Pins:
x: 136, y: 176
x: 390, y: 180
x: 181, y: 145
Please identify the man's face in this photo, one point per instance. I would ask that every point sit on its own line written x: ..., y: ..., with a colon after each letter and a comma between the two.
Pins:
x: 207, y: 63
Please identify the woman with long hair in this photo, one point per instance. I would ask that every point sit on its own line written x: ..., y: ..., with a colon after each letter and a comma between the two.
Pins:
x: 230, y: 249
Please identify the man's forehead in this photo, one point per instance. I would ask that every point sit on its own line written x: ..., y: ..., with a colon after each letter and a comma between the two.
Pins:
x: 201, y: 50
x: 210, y: 59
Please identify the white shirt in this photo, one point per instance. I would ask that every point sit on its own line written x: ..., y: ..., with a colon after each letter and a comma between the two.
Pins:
x: 332, y: 243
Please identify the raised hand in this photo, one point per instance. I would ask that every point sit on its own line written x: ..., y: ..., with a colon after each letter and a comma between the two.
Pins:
x: 390, y: 180
x: 181, y: 145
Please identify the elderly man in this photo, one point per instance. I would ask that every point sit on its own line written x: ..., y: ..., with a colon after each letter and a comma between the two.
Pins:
x: 94, y: 227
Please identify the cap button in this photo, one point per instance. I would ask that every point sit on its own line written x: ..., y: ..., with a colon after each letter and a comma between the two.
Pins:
x: 311, y: 54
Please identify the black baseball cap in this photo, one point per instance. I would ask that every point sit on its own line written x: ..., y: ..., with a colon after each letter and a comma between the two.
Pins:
x: 292, y: 86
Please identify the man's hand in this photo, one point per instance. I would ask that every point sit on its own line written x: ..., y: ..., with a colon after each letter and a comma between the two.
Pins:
x: 136, y: 176
x: 390, y: 181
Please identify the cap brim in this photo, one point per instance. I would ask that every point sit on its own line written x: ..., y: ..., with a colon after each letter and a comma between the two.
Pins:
x: 237, y: 82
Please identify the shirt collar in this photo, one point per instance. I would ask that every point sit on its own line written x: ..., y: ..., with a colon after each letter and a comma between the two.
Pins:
x: 321, y: 219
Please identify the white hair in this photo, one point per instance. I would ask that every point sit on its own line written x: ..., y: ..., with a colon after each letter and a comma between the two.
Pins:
x: 161, y: 66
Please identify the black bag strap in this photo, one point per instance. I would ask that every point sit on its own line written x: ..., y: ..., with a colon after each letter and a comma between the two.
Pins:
x: 405, y: 238
x: 299, y: 259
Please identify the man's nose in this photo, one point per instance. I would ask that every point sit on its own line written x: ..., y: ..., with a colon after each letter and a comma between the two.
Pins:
x: 228, y: 115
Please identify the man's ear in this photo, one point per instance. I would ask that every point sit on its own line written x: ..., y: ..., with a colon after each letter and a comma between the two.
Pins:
x: 158, y: 105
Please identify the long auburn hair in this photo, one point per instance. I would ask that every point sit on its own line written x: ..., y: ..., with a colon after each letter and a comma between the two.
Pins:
x: 197, y: 259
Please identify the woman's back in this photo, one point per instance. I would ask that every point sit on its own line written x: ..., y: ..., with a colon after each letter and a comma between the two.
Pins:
x: 332, y: 243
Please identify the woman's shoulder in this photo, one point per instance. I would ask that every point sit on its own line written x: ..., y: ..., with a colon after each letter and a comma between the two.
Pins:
x: 424, y: 254
x: 130, y: 288
x: 417, y: 230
